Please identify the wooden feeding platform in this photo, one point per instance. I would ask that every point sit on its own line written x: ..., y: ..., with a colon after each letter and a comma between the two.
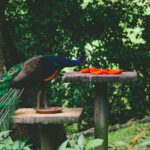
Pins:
x: 29, y: 116
x: 50, y: 131
x: 78, y: 77
x: 100, y: 102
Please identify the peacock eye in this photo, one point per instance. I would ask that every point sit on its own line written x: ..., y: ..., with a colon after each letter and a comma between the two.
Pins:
x: 1, y: 79
x: 10, y: 72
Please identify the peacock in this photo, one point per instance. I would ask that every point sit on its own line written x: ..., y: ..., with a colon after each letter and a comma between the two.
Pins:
x: 35, y: 71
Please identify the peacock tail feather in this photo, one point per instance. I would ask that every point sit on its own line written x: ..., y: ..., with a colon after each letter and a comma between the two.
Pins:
x: 8, y: 95
x: 7, y: 77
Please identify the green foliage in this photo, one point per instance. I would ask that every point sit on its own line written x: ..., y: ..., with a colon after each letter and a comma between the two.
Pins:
x: 80, y: 143
x: 8, y: 144
x: 115, y: 31
x: 136, y: 136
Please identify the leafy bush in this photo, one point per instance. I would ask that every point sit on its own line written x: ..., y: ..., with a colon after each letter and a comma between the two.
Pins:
x: 80, y: 143
x: 8, y: 144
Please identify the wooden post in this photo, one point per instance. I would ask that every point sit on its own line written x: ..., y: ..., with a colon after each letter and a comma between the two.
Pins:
x: 50, y: 137
x: 101, y: 114
x: 100, y: 104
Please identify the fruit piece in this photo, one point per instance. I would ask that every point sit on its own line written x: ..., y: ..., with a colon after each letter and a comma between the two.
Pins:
x: 113, y: 72
x: 85, y: 70
x: 97, y: 71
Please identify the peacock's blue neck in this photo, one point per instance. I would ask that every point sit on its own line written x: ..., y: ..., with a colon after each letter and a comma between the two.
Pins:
x: 71, y: 63
x: 64, y: 62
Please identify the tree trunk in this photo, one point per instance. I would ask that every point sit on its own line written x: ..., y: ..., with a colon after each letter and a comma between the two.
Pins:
x: 8, y: 53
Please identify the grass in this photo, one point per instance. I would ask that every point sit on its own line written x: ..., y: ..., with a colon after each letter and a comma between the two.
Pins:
x: 135, y: 137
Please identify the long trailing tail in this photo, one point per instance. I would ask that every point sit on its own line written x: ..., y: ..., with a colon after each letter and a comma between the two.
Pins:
x: 7, y: 105
x: 8, y: 95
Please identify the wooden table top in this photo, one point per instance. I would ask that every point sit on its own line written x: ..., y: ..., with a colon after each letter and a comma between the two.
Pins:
x: 78, y: 77
x: 29, y: 116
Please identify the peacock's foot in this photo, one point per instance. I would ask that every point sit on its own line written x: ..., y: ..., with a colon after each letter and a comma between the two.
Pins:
x: 45, y: 104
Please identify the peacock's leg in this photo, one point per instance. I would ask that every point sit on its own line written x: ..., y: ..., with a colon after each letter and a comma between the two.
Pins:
x: 45, y: 99
x: 39, y: 98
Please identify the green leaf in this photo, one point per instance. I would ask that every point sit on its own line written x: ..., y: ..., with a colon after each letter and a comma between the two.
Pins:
x: 76, y: 147
x: 72, y: 142
x: 121, y: 143
x: 15, y: 145
x: 7, y: 143
x: 63, y: 145
x: 22, y: 144
x: 4, y: 133
x: 27, y: 147
x: 94, y: 143
x: 81, y: 141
